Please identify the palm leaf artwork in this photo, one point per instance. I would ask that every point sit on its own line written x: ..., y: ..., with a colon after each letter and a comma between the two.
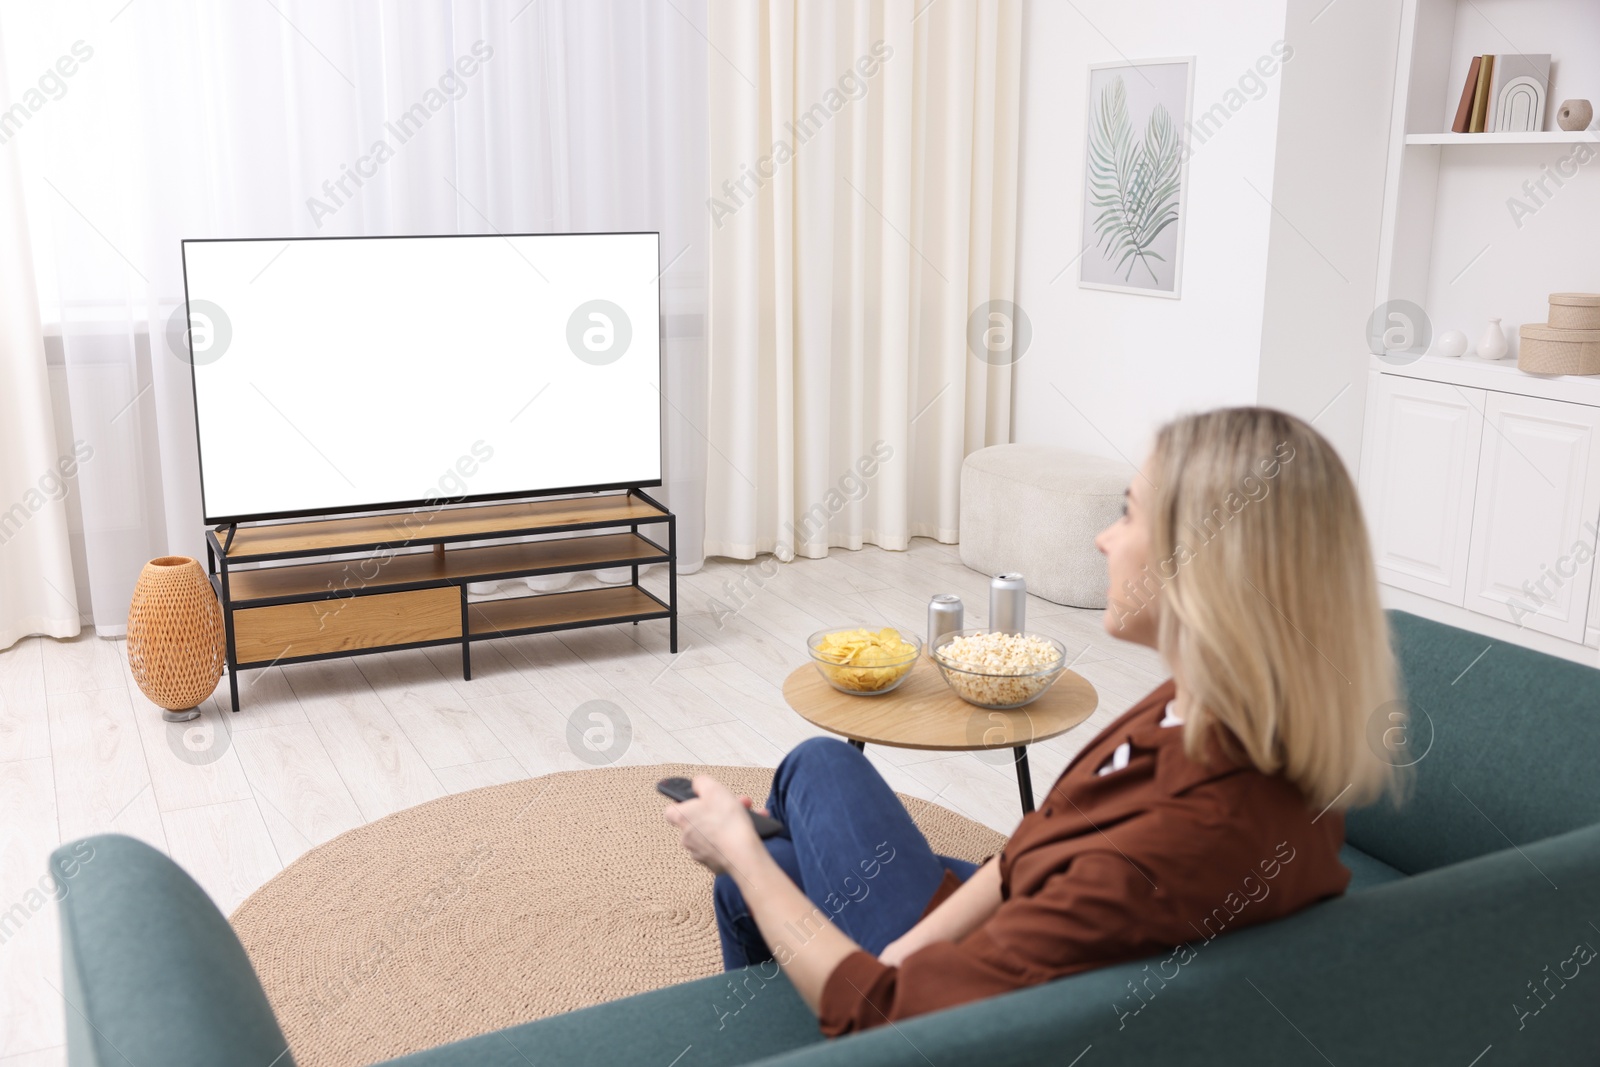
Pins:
x: 1135, y: 186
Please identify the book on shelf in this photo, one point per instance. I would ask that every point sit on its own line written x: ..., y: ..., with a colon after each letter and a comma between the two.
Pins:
x: 1464, y: 109
x: 1521, y: 109
x: 1480, y: 96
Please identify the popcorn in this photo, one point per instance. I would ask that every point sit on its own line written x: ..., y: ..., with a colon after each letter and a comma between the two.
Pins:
x: 1009, y: 670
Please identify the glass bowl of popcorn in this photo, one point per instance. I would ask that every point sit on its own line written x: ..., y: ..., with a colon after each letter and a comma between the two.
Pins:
x: 864, y: 661
x: 999, y: 670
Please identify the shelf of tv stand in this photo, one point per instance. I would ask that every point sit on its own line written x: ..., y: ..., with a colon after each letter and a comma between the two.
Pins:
x: 337, y: 578
x: 559, y: 611
x: 318, y: 537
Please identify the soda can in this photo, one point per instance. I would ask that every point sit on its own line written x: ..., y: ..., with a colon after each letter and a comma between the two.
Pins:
x: 945, y: 615
x: 1008, y: 602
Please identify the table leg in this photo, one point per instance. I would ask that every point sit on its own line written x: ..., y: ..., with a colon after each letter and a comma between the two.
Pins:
x: 861, y: 746
x: 1024, y: 779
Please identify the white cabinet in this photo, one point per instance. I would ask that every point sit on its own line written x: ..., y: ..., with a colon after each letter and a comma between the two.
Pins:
x: 1486, y: 500
x: 1533, y: 526
x: 1419, y: 467
x: 1592, y: 639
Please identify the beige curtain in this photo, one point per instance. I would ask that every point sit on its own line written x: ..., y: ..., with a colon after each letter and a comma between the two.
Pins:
x: 37, y: 594
x: 863, y: 217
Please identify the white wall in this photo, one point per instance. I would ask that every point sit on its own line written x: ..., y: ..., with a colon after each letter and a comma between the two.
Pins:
x: 1126, y: 363
x: 1334, y: 121
x: 1275, y: 295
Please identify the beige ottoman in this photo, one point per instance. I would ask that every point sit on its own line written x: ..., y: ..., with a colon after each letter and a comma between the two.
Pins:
x: 1036, y: 509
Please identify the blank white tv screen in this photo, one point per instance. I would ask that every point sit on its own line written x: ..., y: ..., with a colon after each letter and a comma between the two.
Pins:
x: 342, y: 374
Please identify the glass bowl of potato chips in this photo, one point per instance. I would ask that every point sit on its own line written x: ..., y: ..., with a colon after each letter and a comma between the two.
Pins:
x: 864, y: 661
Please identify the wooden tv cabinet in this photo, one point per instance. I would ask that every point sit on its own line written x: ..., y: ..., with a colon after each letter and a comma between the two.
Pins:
x: 400, y: 579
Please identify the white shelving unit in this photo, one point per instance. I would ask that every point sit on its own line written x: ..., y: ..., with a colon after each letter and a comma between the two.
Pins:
x: 1481, y: 483
x: 1452, y: 242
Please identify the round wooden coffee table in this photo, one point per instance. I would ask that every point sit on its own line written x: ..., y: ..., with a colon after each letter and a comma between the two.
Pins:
x: 925, y: 713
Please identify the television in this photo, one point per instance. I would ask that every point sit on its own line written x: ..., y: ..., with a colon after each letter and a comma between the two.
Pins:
x: 340, y: 374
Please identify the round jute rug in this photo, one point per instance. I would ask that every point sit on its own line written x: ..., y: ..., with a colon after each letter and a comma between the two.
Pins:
x: 485, y: 909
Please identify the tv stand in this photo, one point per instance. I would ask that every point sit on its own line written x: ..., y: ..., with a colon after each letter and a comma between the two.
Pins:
x: 400, y: 578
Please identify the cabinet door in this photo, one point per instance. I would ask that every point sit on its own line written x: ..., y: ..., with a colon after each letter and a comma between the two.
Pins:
x: 1533, y: 529
x: 1593, y: 637
x: 1419, y: 463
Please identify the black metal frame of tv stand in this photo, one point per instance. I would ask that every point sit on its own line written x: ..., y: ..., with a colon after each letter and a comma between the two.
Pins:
x: 220, y: 539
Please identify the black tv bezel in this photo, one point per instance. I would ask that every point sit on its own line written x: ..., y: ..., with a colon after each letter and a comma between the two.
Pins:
x: 571, y: 490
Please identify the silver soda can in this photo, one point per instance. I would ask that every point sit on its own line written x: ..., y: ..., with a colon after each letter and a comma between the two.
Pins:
x: 945, y: 615
x: 1008, y: 602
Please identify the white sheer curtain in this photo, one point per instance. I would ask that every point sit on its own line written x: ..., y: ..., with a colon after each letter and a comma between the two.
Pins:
x: 864, y: 179
x: 190, y: 119
x: 37, y: 594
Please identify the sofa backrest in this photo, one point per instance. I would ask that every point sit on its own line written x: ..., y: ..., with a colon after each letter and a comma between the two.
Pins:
x: 1504, y: 740
x: 1429, y: 969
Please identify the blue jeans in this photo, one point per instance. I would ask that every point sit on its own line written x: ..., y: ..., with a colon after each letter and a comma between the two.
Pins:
x: 849, y: 844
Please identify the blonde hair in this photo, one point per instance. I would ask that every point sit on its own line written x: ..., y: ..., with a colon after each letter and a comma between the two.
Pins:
x: 1270, y: 619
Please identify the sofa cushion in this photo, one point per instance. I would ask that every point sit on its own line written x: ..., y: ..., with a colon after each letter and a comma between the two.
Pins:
x: 1506, y: 737
x: 1366, y: 872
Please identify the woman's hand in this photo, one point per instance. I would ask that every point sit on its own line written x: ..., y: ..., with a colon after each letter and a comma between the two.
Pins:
x: 913, y: 940
x: 715, y: 826
x: 896, y: 951
x: 961, y: 913
x: 717, y: 831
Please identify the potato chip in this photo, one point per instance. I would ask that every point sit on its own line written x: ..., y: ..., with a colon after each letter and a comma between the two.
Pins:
x: 865, y: 660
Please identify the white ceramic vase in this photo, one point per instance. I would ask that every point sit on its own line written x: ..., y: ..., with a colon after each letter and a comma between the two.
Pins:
x: 1492, y: 345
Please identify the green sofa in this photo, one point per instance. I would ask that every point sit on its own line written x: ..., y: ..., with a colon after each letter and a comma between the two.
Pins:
x: 1466, y: 938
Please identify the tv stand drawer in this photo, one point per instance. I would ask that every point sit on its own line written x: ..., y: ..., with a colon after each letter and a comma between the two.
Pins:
x: 318, y: 627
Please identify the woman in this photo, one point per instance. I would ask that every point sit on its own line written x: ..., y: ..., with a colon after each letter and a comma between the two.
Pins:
x: 1214, y: 803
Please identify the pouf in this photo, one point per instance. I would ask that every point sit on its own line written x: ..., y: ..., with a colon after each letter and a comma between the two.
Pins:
x: 1036, y: 509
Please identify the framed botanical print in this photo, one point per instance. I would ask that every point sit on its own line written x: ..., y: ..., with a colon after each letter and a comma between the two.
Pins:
x: 1136, y: 175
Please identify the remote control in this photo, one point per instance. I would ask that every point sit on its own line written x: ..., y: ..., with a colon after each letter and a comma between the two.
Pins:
x: 681, y: 789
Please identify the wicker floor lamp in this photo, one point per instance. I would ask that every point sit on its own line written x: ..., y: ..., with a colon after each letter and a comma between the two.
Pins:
x: 176, y: 646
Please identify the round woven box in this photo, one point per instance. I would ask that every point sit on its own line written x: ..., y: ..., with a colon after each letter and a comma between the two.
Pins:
x: 1550, y: 351
x: 1574, y: 311
x: 176, y: 646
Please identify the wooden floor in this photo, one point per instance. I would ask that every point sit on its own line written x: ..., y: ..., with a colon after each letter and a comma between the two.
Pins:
x: 320, y: 748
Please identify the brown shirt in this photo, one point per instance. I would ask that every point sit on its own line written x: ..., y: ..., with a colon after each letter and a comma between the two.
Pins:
x: 1164, y: 853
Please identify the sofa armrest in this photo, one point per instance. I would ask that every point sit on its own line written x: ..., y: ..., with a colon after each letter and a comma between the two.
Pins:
x: 152, y: 973
x: 1435, y: 968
